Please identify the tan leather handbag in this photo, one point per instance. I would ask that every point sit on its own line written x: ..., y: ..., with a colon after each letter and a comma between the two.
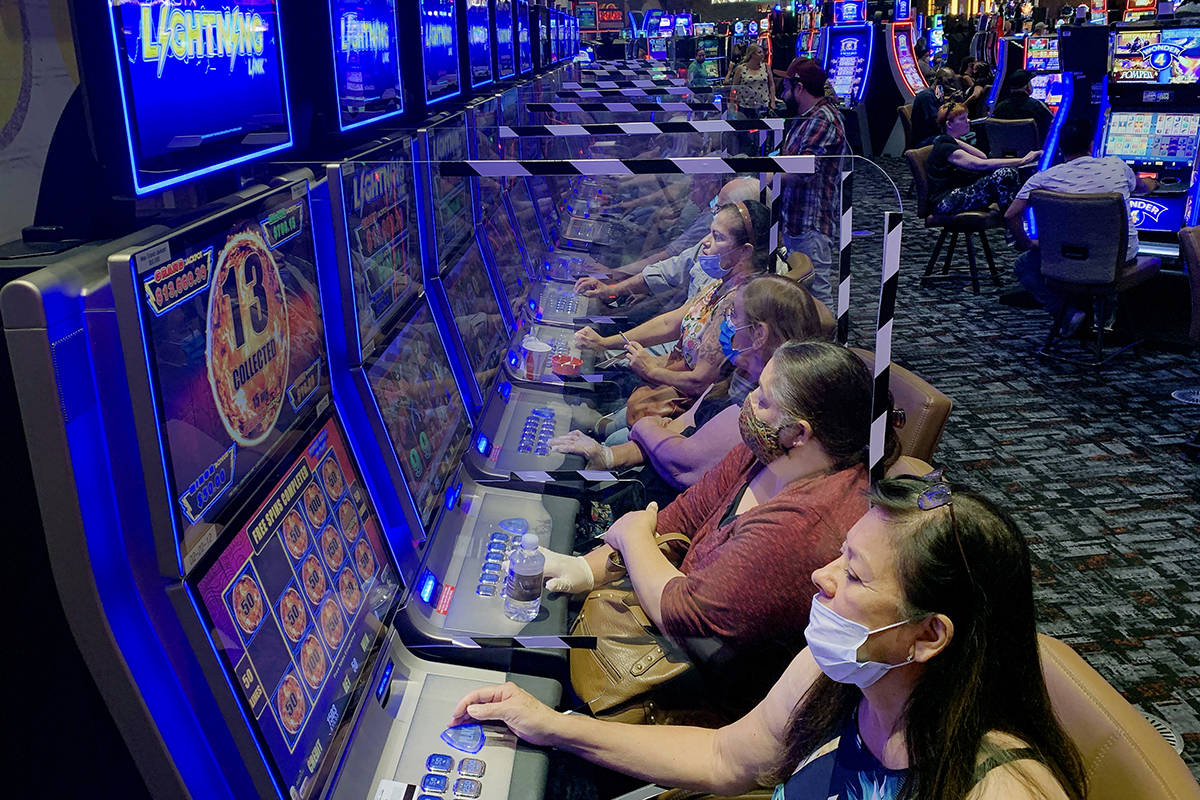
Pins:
x: 623, y: 678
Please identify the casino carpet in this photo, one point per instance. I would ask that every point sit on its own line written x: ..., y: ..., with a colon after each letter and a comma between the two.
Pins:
x: 1090, y: 464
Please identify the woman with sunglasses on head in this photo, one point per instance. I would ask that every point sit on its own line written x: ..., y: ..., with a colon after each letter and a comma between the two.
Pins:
x: 773, y: 509
x: 766, y: 312
x: 921, y: 678
x: 735, y: 250
x: 961, y: 176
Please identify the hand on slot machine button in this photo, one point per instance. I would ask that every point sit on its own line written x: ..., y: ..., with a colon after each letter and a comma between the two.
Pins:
x: 524, y: 715
x: 467, y: 737
x: 579, y: 443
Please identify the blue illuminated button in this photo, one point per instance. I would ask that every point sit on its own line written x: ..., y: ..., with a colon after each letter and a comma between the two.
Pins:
x: 495, y: 547
x: 428, y: 797
x: 493, y: 560
x: 435, y: 783
x: 485, y: 590
x: 467, y: 787
x: 471, y: 767
x: 514, y: 525
x: 544, y: 413
x: 499, y: 537
x: 489, y: 577
x: 439, y: 762
x: 467, y: 738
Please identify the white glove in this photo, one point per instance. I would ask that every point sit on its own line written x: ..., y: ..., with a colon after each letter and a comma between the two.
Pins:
x: 598, y: 455
x: 567, y: 574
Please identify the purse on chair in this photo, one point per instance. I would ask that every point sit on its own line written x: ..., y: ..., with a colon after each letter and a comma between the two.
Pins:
x: 618, y: 680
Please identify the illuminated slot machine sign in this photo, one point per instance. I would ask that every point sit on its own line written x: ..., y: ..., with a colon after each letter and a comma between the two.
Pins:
x: 609, y: 17
x: 848, y: 12
x: 650, y: 23
x: 683, y: 24
x: 378, y: 203
x: 1098, y: 11
x: 1140, y: 9
x: 439, y: 43
x: 366, y: 61
x: 906, y: 59
x: 1041, y: 54
x: 1162, y: 143
x: 295, y: 601
x: 202, y: 86
x: 1166, y: 56
x: 587, y: 16
x: 479, y: 43
x: 228, y: 315
x: 421, y: 409
x: 524, y: 43
x: 506, y: 52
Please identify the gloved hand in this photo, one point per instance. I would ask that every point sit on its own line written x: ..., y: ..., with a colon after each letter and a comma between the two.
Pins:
x: 598, y: 455
x: 565, y: 574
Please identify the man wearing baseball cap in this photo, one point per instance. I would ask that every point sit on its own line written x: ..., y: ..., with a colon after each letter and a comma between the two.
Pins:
x: 1019, y: 103
x: 811, y: 204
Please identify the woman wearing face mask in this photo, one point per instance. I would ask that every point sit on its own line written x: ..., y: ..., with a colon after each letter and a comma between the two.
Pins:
x: 734, y: 251
x: 774, y: 508
x: 921, y: 678
x: 765, y: 312
x: 961, y: 177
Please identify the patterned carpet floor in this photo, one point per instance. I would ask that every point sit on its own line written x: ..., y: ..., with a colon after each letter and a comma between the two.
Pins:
x: 1090, y: 463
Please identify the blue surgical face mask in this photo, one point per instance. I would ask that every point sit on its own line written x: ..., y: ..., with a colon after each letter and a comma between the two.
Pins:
x: 711, y: 264
x: 834, y: 640
x: 728, y: 331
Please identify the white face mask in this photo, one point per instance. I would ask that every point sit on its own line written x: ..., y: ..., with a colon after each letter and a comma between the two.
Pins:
x: 834, y: 640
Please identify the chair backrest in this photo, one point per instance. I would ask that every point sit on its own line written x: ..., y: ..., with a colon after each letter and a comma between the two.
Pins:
x: 905, y: 113
x: 827, y: 320
x: 921, y: 410
x: 800, y: 268
x: 1011, y: 138
x: 1189, y: 248
x: 918, y: 163
x: 1123, y: 756
x: 1082, y: 237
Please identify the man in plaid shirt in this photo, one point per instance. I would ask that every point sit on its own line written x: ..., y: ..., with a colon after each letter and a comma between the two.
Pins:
x: 811, y: 204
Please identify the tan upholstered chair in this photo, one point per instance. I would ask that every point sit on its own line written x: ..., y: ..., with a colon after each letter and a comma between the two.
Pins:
x: 1011, y: 138
x: 969, y: 224
x: 905, y: 114
x: 1082, y: 239
x: 921, y: 410
x: 1124, y: 757
x: 800, y: 269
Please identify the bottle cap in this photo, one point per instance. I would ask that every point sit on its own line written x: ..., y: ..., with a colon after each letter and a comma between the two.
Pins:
x: 530, y: 541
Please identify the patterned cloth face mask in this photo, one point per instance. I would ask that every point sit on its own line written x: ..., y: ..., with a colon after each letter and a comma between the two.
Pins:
x: 760, y: 437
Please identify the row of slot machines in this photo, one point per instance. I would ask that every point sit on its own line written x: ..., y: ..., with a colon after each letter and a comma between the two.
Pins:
x: 1147, y: 78
x: 280, y: 458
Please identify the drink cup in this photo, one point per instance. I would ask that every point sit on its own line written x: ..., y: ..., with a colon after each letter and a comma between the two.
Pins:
x: 536, y: 353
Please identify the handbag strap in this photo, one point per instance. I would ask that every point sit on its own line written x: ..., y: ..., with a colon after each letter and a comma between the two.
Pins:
x: 664, y: 542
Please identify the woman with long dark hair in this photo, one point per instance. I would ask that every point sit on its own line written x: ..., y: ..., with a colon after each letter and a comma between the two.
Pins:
x: 921, y: 678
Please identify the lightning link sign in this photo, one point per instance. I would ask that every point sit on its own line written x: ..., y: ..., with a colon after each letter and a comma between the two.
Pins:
x: 170, y: 32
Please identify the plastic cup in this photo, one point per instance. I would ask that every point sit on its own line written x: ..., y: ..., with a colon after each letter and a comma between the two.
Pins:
x: 536, y: 353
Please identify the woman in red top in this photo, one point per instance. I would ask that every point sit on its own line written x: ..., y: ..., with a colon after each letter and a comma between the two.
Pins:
x: 774, y: 509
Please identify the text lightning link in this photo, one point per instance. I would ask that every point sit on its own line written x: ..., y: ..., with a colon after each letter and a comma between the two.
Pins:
x: 195, y: 34
x: 364, y: 36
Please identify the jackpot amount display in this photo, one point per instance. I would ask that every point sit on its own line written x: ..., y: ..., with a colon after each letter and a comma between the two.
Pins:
x: 235, y: 341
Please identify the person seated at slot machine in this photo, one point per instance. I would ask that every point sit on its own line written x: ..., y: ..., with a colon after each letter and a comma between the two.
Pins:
x: 774, y: 508
x: 921, y: 52
x: 1079, y: 173
x: 697, y: 78
x: 942, y: 89
x: 735, y: 250
x: 672, y: 274
x: 766, y: 312
x: 961, y: 177
x: 1018, y: 102
x: 921, y: 677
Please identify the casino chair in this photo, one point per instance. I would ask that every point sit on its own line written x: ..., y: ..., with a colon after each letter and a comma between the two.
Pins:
x: 968, y: 224
x: 1189, y: 250
x: 920, y: 412
x: 905, y: 113
x: 1083, y: 239
x: 1123, y: 755
x: 1011, y: 138
x: 800, y: 269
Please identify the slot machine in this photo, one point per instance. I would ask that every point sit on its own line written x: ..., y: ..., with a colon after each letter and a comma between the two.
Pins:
x: 1137, y: 10
x: 366, y: 57
x: 505, y: 38
x: 479, y: 43
x: 1042, y: 60
x: 937, y: 38
x: 1010, y: 52
x: 1151, y: 121
x: 848, y: 50
x: 439, y: 68
x: 901, y: 58
x: 524, y: 38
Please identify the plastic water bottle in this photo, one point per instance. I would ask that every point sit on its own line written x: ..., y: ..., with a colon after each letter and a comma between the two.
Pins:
x: 524, y: 581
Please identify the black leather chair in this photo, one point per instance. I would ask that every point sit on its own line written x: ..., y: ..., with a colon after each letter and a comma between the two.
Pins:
x: 969, y: 224
x: 1011, y: 138
x: 1083, y: 239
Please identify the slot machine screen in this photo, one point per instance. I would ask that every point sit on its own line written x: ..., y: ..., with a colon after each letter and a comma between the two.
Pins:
x: 1131, y: 62
x: 295, y: 602
x: 683, y: 24
x: 906, y: 59
x: 524, y: 43
x: 506, y: 53
x: 1048, y: 89
x: 439, y: 39
x: 422, y: 411
x: 1152, y: 137
x: 479, y: 42
x: 526, y: 215
x: 847, y: 65
x: 507, y: 256
x: 587, y: 16
x: 547, y: 208
x: 366, y: 61
x: 384, y: 258
x: 1183, y: 45
x: 231, y: 324
x: 555, y: 40
x: 1041, y: 54
x: 203, y: 87
x: 451, y: 194
x: 650, y: 22
x: 477, y: 316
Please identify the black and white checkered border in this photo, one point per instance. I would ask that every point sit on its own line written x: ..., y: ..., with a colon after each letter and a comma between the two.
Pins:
x: 611, y: 106
x: 698, y: 165
x: 525, y: 642
x: 662, y: 91
x: 614, y: 128
x: 627, y: 83
x: 845, y: 237
x: 893, y: 228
